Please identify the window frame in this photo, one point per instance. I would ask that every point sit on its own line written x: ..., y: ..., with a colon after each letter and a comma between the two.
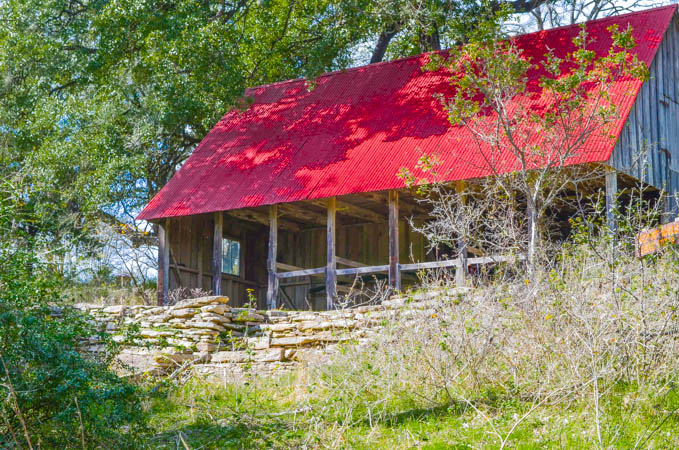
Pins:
x: 240, y: 242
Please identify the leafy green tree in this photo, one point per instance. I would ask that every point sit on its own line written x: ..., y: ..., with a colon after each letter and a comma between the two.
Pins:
x: 101, y: 101
x: 528, y: 151
x: 53, y: 394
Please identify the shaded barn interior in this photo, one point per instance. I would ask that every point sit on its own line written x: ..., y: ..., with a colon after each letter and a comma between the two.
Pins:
x: 362, y: 239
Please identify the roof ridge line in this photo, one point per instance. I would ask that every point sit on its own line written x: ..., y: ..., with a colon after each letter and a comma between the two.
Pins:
x: 602, y: 19
x: 420, y: 55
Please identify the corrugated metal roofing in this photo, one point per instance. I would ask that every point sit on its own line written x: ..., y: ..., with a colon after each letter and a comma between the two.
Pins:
x: 356, y: 129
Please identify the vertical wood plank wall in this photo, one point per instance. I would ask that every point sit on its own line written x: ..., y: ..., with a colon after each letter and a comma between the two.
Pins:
x: 191, y: 248
x: 191, y: 253
x: 653, y: 123
x: 366, y: 243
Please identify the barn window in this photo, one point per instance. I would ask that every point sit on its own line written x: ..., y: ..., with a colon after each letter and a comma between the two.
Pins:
x: 231, y: 257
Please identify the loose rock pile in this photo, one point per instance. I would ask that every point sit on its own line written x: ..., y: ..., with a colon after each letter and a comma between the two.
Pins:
x: 228, y: 343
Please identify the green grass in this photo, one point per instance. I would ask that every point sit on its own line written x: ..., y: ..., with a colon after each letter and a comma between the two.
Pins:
x: 593, y: 341
x: 211, y: 416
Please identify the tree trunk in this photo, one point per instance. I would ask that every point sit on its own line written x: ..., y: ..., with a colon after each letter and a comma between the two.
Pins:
x: 611, y: 199
x: 524, y: 6
x: 430, y: 40
x: 331, y: 267
x: 533, y: 235
x: 391, y: 30
x: 383, y: 42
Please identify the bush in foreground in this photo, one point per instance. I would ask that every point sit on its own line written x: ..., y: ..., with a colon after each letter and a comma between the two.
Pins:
x: 596, y: 338
x: 54, y: 395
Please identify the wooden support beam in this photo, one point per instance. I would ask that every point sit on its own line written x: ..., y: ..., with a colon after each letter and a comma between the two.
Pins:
x: 412, y: 267
x: 431, y: 265
x: 361, y: 270
x: 359, y: 212
x: 377, y: 197
x: 180, y: 268
x: 283, y: 266
x: 256, y: 216
x: 352, y: 210
x: 307, y: 212
x: 427, y: 265
x: 286, y: 298
x: 174, y: 266
x: 456, y: 262
x: 495, y: 259
x: 611, y: 198
x: 272, y: 280
x: 302, y: 273
x: 407, y: 207
x: 463, y: 270
x: 217, y: 234
x: 163, y: 261
x: 394, y: 272
x: 295, y: 271
x: 295, y: 283
x: 349, y: 262
x: 331, y: 266
x: 410, y: 207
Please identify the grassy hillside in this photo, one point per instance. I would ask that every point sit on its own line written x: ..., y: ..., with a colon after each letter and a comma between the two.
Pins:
x: 583, y: 356
x: 264, y: 417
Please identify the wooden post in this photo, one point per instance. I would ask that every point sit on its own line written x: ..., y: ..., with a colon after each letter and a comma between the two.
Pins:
x: 668, y: 210
x: 331, y: 267
x: 272, y: 280
x: 463, y: 270
x: 217, y: 254
x: 611, y: 198
x: 200, y: 259
x: 163, y: 261
x: 394, y: 269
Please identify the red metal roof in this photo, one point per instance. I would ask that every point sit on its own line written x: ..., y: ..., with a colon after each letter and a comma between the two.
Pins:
x: 357, y: 128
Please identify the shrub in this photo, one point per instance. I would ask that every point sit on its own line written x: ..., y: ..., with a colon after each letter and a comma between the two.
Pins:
x: 595, y: 335
x: 57, y: 397
x: 54, y: 394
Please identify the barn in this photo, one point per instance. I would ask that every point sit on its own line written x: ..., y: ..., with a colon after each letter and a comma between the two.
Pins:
x: 297, y: 193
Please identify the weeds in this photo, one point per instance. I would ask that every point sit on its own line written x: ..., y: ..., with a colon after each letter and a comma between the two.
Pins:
x: 585, y: 355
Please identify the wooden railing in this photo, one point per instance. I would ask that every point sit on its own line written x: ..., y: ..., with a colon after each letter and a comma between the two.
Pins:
x: 331, y: 272
x: 359, y: 268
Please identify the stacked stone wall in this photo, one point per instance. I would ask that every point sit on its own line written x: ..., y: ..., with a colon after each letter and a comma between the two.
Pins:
x: 217, y: 340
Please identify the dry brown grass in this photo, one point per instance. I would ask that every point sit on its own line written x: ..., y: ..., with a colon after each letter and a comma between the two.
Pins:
x: 601, y: 334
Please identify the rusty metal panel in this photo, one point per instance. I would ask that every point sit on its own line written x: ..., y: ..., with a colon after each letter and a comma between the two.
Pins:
x: 354, y: 130
x: 655, y: 239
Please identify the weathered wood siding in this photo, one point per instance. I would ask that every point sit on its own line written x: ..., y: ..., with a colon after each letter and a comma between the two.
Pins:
x: 191, y: 257
x: 648, y: 147
x: 366, y: 243
x: 191, y: 241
